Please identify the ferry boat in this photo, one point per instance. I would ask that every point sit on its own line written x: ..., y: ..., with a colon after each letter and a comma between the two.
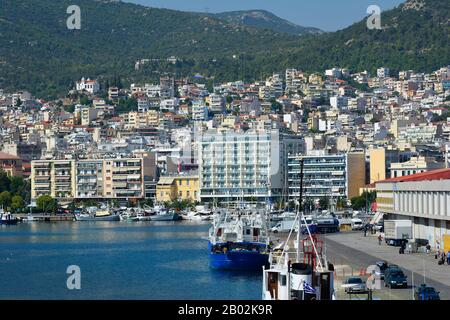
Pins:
x: 238, y: 241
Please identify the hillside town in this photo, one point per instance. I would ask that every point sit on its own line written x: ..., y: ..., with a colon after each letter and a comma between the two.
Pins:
x: 181, y: 140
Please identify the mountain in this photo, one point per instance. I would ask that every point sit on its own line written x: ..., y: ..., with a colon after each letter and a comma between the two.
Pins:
x: 38, y: 52
x: 265, y: 20
x: 415, y: 35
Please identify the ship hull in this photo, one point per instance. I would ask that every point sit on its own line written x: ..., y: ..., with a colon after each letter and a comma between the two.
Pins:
x: 238, y: 260
x: 9, y: 222
x: 166, y: 217
x: 106, y: 218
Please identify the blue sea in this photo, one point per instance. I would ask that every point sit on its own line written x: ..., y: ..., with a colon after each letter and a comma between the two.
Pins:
x: 117, y: 260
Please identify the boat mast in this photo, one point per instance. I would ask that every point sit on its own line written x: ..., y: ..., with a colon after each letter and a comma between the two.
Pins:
x: 299, y: 209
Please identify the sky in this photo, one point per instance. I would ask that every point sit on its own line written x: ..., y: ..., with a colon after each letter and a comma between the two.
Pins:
x: 328, y: 15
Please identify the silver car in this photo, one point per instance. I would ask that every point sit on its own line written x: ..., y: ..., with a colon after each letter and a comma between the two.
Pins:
x: 354, y: 285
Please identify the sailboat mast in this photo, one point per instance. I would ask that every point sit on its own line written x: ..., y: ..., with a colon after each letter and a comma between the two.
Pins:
x: 300, y: 209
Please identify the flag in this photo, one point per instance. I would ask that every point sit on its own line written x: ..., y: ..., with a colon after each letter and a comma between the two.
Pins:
x: 308, y: 289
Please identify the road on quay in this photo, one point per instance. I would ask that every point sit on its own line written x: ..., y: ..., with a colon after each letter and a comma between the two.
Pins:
x: 358, y: 252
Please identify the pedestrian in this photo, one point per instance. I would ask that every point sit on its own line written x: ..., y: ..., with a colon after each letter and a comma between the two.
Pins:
x: 365, y: 230
x: 428, y: 247
x: 443, y: 257
x: 448, y: 257
x: 380, y: 238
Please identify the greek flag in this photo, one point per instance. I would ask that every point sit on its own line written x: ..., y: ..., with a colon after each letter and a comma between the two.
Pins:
x: 308, y: 289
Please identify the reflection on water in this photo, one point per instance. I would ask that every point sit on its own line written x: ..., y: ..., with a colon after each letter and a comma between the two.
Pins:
x: 118, y: 260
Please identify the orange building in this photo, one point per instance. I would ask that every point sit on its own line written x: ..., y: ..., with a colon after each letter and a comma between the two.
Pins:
x: 11, y: 164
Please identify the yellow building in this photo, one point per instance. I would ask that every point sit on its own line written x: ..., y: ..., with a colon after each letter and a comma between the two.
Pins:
x: 177, y: 187
x: 356, y: 164
x: 121, y: 179
x: 377, y: 164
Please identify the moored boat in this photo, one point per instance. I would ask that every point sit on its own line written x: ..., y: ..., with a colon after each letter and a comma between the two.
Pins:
x: 302, y: 273
x: 8, y: 219
x: 92, y: 214
x: 238, y: 241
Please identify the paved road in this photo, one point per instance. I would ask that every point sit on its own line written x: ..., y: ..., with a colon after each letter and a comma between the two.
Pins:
x: 356, y: 251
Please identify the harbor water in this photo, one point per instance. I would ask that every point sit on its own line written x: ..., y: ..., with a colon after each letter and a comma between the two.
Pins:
x: 117, y: 260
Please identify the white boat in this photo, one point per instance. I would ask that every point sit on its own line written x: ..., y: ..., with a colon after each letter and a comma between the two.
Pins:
x: 201, y: 213
x: 94, y: 214
x: 300, y: 273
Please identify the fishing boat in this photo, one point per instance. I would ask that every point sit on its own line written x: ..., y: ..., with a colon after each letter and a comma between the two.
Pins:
x: 93, y: 214
x: 160, y: 213
x: 302, y: 273
x: 238, y: 241
x: 201, y: 213
x: 7, y: 218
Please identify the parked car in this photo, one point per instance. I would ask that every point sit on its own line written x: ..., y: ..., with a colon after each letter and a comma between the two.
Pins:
x: 354, y: 285
x: 424, y: 292
x: 382, y: 266
x: 394, y: 278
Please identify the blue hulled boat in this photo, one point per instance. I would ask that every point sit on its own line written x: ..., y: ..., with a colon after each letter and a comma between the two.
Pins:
x: 238, y: 241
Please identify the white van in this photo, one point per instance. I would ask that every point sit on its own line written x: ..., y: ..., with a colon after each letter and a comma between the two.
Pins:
x: 357, y: 224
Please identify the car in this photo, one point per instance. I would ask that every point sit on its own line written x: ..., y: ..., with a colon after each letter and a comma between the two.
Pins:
x: 394, y: 278
x: 382, y: 266
x: 424, y: 292
x: 354, y: 285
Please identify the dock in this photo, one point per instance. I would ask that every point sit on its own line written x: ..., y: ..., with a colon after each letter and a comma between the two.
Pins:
x: 46, y: 217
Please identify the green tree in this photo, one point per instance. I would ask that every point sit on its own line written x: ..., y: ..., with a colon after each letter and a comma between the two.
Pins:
x: 19, y: 186
x: 17, y: 204
x: 46, y: 204
x: 5, y: 199
x: 364, y: 200
x: 5, y: 182
x: 324, y: 203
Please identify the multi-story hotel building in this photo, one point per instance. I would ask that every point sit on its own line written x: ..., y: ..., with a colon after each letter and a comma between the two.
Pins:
x: 327, y: 176
x: 68, y: 180
x: 249, y: 166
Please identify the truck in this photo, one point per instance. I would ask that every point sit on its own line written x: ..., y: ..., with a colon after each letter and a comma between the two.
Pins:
x: 397, y: 231
x: 284, y: 226
x: 328, y: 224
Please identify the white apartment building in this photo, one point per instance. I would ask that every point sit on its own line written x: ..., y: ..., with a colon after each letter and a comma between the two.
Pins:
x: 383, y: 72
x: 91, y: 86
x: 415, y: 165
x: 216, y: 103
x: 249, y: 166
x: 339, y: 102
x: 199, y: 111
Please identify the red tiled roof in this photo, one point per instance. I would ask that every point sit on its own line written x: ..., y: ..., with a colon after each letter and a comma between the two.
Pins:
x: 439, y: 174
